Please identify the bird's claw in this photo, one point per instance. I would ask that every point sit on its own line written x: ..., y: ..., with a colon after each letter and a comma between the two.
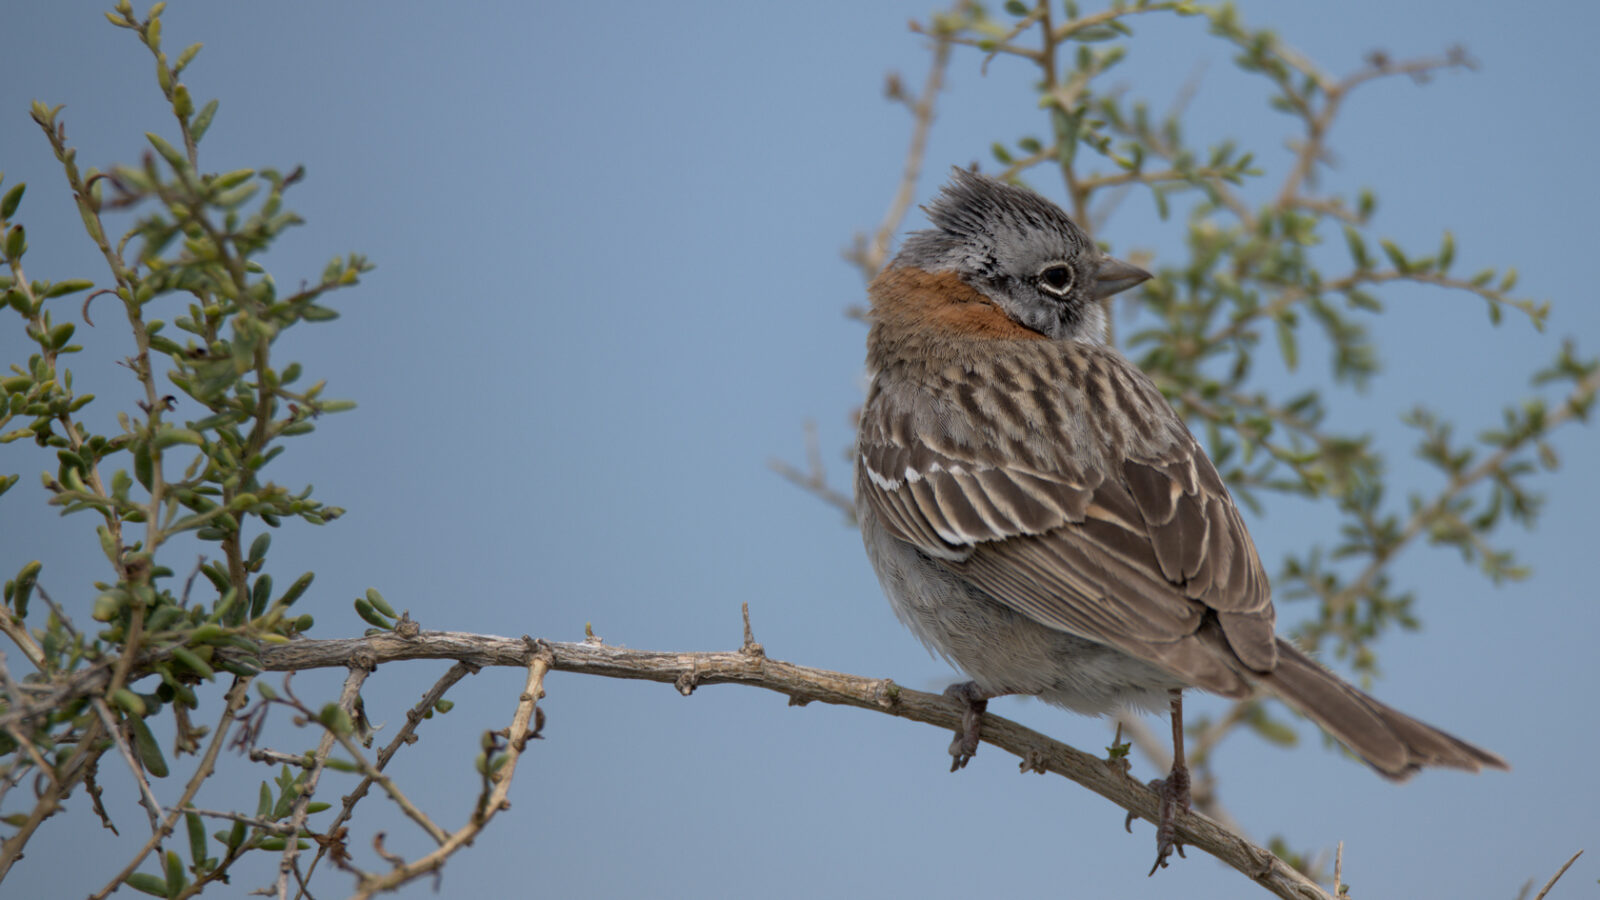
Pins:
x: 1174, y: 793
x: 974, y: 703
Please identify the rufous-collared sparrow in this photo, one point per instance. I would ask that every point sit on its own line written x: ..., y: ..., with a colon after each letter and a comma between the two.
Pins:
x: 1040, y: 516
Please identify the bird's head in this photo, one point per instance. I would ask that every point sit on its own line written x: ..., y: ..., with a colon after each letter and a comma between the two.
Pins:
x: 1023, y: 253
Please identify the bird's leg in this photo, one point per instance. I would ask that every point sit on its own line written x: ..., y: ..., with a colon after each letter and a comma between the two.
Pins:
x: 1173, y: 790
x: 974, y: 700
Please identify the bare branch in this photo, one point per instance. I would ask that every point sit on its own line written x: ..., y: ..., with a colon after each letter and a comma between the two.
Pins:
x: 687, y: 671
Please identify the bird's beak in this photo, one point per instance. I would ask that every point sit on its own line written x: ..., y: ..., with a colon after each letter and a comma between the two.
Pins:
x: 1116, y: 276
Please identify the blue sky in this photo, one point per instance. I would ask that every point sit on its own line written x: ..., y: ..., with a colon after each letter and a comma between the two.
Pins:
x: 609, y: 290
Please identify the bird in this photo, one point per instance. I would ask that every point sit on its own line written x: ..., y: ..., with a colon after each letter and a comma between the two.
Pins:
x: 1038, y: 514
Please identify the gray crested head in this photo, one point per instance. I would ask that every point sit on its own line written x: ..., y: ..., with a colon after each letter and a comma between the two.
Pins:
x: 1021, y: 251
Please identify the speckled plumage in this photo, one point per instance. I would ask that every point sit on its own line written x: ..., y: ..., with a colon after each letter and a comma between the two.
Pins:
x: 1038, y: 513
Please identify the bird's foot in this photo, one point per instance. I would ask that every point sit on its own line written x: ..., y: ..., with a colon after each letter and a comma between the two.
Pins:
x: 974, y: 701
x: 1174, y: 793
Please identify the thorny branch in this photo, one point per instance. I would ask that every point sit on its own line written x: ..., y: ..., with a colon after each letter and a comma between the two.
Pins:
x: 749, y: 666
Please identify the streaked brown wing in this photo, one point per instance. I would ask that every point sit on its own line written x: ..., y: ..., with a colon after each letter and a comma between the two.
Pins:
x: 1134, y: 558
x: 946, y: 504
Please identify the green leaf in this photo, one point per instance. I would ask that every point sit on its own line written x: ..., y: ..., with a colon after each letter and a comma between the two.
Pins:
x: 107, y: 605
x: 371, y: 616
x: 27, y: 577
x: 260, y: 594
x: 16, y: 243
x: 168, y: 152
x: 1392, y: 250
x: 144, y: 882
x: 13, y: 197
x: 145, y: 744
x: 1358, y: 248
x: 182, y: 103
x: 171, y: 435
x: 186, y: 57
x: 380, y: 604
x: 335, y: 719
x: 192, y: 661
x: 1096, y: 34
x: 197, y: 128
x: 296, y: 589
x: 128, y: 701
x: 69, y: 286
x: 59, y: 335
x: 176, y: 879
x: 1287, y: 345
x: 197, y: 837
x: 143, y: 465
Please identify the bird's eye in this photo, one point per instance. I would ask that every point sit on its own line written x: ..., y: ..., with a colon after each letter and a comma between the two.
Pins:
x: 1056, y: 278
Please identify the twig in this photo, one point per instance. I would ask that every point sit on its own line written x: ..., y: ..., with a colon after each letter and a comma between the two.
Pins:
x: 279, y: 758
x: 18, y: 632
x: 412, y: 811
x: 147, y: 797
x: 518, y: 734
x: 1320, y: 122
x: 230, y: 708
x: 13, y: 699
x: 815, y: 477
x: 66, y: 777
x: 283, y: 829
x: 1557, y: 876
x: 1180, y: 102
x: 414, y: 717
x: 349, y: 697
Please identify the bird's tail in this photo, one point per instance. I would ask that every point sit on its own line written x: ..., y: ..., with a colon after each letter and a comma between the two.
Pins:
x: 1389, y: 740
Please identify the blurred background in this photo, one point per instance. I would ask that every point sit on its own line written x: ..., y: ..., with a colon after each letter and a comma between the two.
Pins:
x: 610, y: 291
